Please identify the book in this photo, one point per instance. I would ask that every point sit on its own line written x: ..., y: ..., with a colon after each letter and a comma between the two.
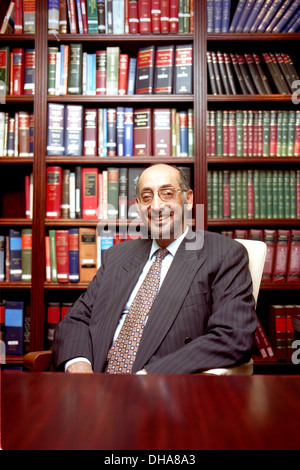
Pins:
x: 56, y: 129
x: 164, y: 68
x: 73, y: 129
x: 4, y: 70
x: 183, y: 69
x: 281, y: 255
x: 101, y: 72
x: 53, y: 318
x: 144, y: 10
x: 18, y: 71
x: 62, y: 255
x: 53, y: 192
x: 142, y: 132
x: 29, y: 16
x: 75, y: 69
x: 87, y: 254
x: 162, y: 132
x: 145, y: 70
x: 111, y: 132
x: 293, y: 267
x: 26, y: 254
x: 14, y: 334
x: 89, y: 193
x: 8, y: 23
x: 112, y: 193
x: 128, y: 132
x: 90, y: 137
x: 123, y: 74
x: 112, y: 70
x: 92, y: 16
x: 15, y: 255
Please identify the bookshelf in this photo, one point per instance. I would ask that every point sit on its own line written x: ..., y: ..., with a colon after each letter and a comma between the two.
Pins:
x: 38, y: 292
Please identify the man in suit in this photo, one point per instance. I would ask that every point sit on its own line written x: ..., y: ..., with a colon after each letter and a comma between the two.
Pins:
x: 203, y: 316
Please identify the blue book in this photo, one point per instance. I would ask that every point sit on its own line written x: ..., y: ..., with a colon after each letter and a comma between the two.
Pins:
x: 267, y: 4
x: 244, y: 15
x: 183, y: 134
x: 293, y: 24
x: 225, y: 16
x: 237, y: 14
x: 14, y: 330
x: 253, y: 15
x: 128, y: 132
x: 91, y: 74
x: 74, y: 255
x: 53, y: 16
x: 266, y: 20
x: 79, y: 16
x: 29, y: 72
x: 210, y: 15
x: 118, y: 16
x: 217, y: 16
x: 15, y: 255
x: 106, y: 242
x: 131, y: 76
x: 31, y: 134
x: 282, y: 17
x: 73, y: 129
x: 2, y: 258
x: 120, y: 131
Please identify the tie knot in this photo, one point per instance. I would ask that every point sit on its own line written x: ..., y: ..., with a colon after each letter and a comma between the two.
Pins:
x: 161, y: 253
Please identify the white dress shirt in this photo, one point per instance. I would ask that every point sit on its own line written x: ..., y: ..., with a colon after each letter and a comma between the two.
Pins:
x: 166, y: 263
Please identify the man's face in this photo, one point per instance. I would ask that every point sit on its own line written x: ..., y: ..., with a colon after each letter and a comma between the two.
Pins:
x: 163, y: 218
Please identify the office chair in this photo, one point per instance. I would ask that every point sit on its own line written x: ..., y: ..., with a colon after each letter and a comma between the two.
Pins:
x: 42, y: 360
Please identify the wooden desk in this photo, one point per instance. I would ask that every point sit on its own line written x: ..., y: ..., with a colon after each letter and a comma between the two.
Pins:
x: 61, y: 411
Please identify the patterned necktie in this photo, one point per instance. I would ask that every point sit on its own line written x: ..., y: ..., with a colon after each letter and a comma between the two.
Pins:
x: 121, y: 355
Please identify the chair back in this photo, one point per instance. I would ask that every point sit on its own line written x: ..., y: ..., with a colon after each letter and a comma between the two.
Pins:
x: 257, y: 251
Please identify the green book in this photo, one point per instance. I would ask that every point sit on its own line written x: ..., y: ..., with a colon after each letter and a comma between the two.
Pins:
x: 293, y: 194
x: 4, y: 70
x: 215, y: 194
x: 280, y: 189
x: 284, y: 139
x: 92, y: 16
x: 232, y: 188
x: 112, y: 193
x: 26, y: 253
x: 239, y: 194
x: 256, y: 193
x: 112, y: 70
x: 244, y: 194
x: 287, y: 194
x: 53, y: 255
x: 279, y: 133
x: 52, y: 55
x: 209, y: 200
x: 239, y: 133
x: 266, y: 133
x: 75, y: 70
x: 269, y: 199
x: 262, y: 194
x: 275, y: 198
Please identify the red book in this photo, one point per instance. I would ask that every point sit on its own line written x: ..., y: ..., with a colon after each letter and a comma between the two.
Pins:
x: 28, y: 189
x: 18, y: 17
x: 162, y: 145
x: 293, y: 271
x: 174, y: 9
x: 270, y: 241
x: 255, y: 234
x: 72, y: 16
x: 298, y: 193
x: 65, y: 306
x: 133, y: 17
x: 90, y: 141
x: 123, y: 74
x: 53, y: 318
x: 100, y: 72
x: 18, y: 71
x: 142, y: 132
x: 84, y: 16
x: 145, y: 16
x: 281, y: 255
x: 277, y: 318
x: 62, y: 255
x: 297, y: 135
x: 53, y: 192
x: 225, y: 134
x: 273, y: 134
x: 165, y: 17
x: 47, y: 259
x: 155, y: 16
x: 89, y: 193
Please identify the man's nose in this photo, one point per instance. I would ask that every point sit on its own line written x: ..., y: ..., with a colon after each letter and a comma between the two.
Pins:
x: 156, y: 203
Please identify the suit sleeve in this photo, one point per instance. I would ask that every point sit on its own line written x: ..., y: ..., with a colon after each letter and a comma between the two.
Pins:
x: 229, y: 336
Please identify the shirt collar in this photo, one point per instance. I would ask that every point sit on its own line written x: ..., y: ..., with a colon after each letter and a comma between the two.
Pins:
x: 172, y: 248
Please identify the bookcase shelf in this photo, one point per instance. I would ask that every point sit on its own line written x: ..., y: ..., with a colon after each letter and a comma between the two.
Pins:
x: 200, y: 101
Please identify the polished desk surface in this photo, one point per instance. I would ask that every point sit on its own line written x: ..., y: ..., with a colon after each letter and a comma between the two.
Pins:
x: 157, y: 412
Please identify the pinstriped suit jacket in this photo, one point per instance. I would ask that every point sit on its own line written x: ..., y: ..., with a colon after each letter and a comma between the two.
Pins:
x: 203, y: 316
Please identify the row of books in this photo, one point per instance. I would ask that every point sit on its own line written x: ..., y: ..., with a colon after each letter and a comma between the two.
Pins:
x: 252, y: 194
x: 163, y: 69
x: 122, y: 131
x: 251, y: 73
x: 253, y: 133
x: 75, y: 254
x: 17, y: 71
x: 15, y: 326
x: 278, y: 343
x: 253, y: 16
x: 283, y: 252
x: 16, y: 134
x: 15, y: 255
x: 87, y: 193
x: 19, y: 17
x: 121, y: 16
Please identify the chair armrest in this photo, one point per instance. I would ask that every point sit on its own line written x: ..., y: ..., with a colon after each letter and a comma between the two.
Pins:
x: 242, y: 369
x: 38, y: 360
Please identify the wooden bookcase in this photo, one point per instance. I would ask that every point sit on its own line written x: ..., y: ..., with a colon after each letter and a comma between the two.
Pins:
x: 38, y: 292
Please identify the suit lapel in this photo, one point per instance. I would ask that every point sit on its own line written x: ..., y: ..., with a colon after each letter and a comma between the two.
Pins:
x: 165, y: 309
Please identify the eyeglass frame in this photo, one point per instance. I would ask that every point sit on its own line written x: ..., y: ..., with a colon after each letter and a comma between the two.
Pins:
x: 158, y: 191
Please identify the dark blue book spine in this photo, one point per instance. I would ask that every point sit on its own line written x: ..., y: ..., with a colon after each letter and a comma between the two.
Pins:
x: 217, y: 16
x: 131, y: 76
x: 74, y: 255
x: 73, y: 130
x: 284, y: 18
x: 225, y: 16
x: 293, y: 24
x: 253, y: 15
x: 13, y: 321
x: 267, y: 4
x: 120, y: 131
x: 183, y: 134
x: 15, y: 252
x: 128, y: 132
x: 210, y: 16
x: 237, y: 14
x: 244, y: 15
x: 269, y: 16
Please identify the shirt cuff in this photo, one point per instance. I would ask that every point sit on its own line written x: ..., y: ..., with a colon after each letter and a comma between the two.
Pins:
x: 76, y: 359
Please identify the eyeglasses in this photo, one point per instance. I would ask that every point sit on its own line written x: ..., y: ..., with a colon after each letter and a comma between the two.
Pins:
x: 165, y: 194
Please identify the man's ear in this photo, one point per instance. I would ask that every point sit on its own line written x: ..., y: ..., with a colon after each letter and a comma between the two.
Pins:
x: 189, y: 200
